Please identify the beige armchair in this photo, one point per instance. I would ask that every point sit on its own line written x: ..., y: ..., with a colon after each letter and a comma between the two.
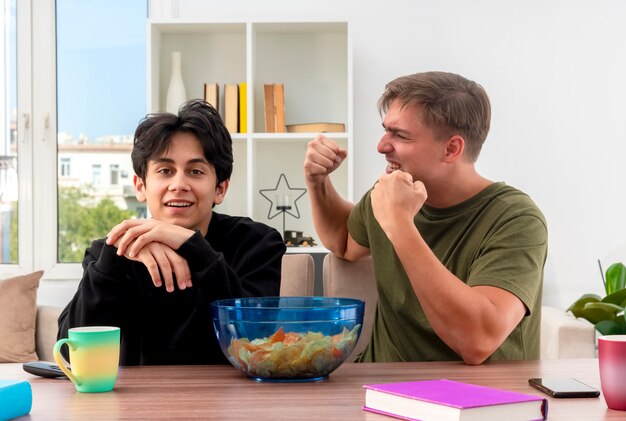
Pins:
x: 298, y: 275
x: 562, y: 335
x: 353, y: 280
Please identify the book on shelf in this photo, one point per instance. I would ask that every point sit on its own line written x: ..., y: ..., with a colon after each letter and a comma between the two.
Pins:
x: 231, y: 107
x: 268, y: 108
x: 243, y: 108
x: 452, y: 400
x: 16, y: 398
x: 316, y: 128
x: 212, y: 94
x: 279, y: 107
x: 274, y: 107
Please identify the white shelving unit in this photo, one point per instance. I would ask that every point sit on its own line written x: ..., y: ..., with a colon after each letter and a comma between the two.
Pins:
x: 314, y: 62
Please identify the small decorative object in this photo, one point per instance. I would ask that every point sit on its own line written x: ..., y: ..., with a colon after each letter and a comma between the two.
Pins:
x: 607, y: 314
x: 176, y: 93
x: 16, y: 398
x: 296, y: 239
x: 283, y: 198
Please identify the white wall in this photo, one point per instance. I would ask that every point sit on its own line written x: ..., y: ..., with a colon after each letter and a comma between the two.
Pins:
x: 556, y: 75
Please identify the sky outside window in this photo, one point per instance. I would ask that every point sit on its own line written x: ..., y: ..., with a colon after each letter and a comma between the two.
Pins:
x: 101, y: 98
x: 101, y: 66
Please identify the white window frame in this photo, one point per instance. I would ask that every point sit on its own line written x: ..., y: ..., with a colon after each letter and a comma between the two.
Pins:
x: 25, y: 135
x: 37, y: 145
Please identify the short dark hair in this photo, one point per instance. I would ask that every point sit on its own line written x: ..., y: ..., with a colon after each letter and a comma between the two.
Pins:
x: 154, y: 136
x: 450, y: 104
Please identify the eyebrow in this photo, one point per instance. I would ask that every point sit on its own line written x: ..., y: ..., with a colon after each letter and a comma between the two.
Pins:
x: 396, y: 130
x: 191, y: 161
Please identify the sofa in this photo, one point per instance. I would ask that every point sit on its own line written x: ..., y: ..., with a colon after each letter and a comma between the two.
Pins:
x: 562, y: 335
x: 298, y: 278
x: 46, y: 331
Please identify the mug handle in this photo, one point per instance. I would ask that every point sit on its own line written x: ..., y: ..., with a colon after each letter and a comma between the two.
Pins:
x: 58, y: 358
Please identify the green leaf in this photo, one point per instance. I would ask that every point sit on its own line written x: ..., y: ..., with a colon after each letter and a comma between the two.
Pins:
x: 615, y: 278
x: 612, y: 327
x: 618, y: 298
x: 597, y: 311
x: 577, y: 307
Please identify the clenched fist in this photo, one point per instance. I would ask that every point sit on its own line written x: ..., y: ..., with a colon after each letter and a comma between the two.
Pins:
x: 396, y: 199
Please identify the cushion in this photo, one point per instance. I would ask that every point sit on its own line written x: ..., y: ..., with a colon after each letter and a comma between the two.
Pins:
x: 18, y: 315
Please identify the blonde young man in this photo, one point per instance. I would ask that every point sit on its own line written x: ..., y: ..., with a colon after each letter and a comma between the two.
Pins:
x: 458, y: 258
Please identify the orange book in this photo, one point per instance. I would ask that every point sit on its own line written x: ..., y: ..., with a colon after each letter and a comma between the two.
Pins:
x: 212, y: 94
x: 279, y: 107
x: 270, y: 125
x: 316, y: 128
x: 231, y: 107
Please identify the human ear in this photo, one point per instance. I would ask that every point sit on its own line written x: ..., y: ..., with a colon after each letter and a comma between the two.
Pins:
x: 220, y: 192
x: 455, y: 146
x: 140, y: 188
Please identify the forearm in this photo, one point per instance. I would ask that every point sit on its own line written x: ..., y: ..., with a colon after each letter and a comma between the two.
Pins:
x: 100, y: 297
x: 464, y: 317
x: 330, y: 215
x: 255, y: 271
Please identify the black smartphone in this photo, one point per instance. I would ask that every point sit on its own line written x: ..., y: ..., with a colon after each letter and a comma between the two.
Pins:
x: 563, y: 387
x: 43, y: 369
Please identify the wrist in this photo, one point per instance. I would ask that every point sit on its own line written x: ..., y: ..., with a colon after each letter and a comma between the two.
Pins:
x: 109, y: 261
x: 399, y: 231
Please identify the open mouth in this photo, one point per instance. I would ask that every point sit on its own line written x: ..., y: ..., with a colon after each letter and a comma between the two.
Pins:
x: 178, y: 204
x: 391, y: 167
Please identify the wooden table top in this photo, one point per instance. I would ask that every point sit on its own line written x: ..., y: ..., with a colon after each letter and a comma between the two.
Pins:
x: 222, y: 392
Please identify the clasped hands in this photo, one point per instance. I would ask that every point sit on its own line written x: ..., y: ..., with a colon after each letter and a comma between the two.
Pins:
x: 153, y: 243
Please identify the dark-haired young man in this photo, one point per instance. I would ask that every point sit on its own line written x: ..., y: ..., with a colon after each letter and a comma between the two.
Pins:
x: 155, y: 278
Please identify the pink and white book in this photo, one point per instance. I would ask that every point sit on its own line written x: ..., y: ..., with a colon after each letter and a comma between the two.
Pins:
x: 451, y: 400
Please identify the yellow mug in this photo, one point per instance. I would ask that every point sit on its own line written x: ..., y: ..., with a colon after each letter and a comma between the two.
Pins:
x: 94, y: 357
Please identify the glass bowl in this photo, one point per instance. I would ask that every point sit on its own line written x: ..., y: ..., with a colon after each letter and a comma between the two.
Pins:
x: 287, y: 338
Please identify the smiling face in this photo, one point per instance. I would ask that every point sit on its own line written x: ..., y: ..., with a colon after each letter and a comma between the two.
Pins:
x: 409, y: 145
x: 180, y: 186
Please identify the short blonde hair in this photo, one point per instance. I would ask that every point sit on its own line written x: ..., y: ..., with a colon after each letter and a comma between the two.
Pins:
x: 450, y: 104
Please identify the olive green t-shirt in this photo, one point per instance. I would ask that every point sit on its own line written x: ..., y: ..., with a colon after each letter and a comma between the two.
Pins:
x: 497, y: 238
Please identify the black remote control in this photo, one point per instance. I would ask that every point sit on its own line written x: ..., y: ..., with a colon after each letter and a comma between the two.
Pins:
x: 43, y: 369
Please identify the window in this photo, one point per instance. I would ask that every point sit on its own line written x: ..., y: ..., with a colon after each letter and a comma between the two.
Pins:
x: 60, y: 137
x: 96, y: 170
x: 115, y: 173
x: 101, y: 95
x: 64, y: 167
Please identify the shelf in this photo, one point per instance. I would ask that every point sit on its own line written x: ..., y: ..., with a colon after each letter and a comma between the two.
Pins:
x: 311, y: 59
x: 310, y: 250
x: 296, y: 136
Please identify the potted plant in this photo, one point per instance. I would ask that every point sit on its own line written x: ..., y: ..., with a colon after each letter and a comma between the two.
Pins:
x: 607, y: 314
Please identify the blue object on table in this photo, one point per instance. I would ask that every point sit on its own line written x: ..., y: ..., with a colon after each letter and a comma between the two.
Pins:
x: 16, y: 399
x: 317, y: 334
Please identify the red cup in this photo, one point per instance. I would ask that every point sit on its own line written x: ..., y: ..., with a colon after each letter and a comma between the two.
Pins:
x: 612, y: 356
